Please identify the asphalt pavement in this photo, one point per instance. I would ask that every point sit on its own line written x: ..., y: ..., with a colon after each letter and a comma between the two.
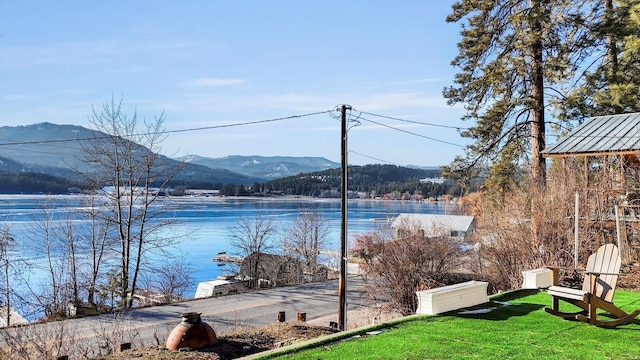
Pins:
x: 91, y: 336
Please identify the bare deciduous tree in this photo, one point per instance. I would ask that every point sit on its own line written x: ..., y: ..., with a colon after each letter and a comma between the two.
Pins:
x: 126, y: 158
x: 71, y: 255
x: 11, y: 268
x: 171, y: 279
x: 253, y: 235
x: 395, y: 268
x: 306, y: 237
x: 49, y: 244
x: 97, y: 242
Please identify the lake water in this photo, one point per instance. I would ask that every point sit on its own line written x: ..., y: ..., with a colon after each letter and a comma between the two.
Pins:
x: 203, y: 224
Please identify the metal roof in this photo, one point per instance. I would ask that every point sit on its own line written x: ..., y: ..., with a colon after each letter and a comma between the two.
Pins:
x: 612, y: 134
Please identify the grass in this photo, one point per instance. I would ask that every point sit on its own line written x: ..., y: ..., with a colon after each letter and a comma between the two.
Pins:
x: 517, y: 328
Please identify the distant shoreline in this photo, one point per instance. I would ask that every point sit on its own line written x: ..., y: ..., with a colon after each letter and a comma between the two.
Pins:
x: 223, y: 198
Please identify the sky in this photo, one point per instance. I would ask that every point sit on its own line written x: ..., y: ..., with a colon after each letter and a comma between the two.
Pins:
x: 233, y: 77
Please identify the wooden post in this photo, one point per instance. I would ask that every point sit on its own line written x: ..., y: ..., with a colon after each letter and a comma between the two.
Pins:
x: 555, y: 281
x: 617, y: 212
x: 555, y: 278
x: 344, y: 188
x: 302, y: 316
x: 576, y: 249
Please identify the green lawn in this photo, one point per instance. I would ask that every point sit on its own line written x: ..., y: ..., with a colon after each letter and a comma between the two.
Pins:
x: 517, y: 328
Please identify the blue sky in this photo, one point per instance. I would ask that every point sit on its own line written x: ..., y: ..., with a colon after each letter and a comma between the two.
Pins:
x: 211, y: 63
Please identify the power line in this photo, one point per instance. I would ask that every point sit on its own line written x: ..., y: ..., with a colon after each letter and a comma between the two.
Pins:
x: 171, y: 131
x: 359, y: 117
x: 352, y: 118
x: 333, y: 113
x: 414, y: 122
x: 411, y: 133
x: 372, y: 158
x: 629, y: 137
x: 38, y: 151
x: 35, y: 151
x: 249, y: 122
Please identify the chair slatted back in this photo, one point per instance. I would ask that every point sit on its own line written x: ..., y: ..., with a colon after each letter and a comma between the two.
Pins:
x: 605, y: 260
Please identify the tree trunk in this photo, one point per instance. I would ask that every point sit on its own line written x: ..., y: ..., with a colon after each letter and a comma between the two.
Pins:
x: 612, y: 51
x: 538, y: 164
x: 72, y: 263
x: 7, y: 292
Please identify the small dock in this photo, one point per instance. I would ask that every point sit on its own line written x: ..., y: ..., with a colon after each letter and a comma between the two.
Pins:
x: 223, y: 258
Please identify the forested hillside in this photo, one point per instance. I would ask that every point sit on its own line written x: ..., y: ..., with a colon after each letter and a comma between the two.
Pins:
x: 51, y: 152
x: 30, y: 182
x: 382, y: 179
x: 263, y: 167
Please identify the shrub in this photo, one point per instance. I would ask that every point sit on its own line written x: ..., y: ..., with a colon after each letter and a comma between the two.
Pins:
x: 395, y: 268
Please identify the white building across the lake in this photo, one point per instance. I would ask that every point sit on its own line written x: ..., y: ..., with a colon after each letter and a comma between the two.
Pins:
x: 432, y: 225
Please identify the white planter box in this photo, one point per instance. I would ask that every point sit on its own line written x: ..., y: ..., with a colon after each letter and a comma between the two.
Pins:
x: 537, y: 278
x: 452, y: 297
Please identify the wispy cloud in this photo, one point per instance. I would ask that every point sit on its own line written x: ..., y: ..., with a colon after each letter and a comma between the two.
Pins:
x: 212, y: 82
x: 399, y: 100
x: 101, y: 51
x: 410, y: 105
x: 17, y: 97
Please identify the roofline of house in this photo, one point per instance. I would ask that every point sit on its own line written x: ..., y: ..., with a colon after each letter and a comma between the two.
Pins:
x: 598, y: 153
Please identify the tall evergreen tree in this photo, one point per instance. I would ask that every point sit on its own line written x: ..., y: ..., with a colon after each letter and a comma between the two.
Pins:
x: 612, y: 84
x: 510, y: 53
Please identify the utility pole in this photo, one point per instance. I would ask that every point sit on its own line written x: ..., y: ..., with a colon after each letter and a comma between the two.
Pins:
x: 342, y: 287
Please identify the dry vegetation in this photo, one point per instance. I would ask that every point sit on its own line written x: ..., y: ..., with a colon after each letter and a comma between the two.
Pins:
x: 54, y: 341
x: 395, y: 267
x: 235, y: 344
x: 505, y: 221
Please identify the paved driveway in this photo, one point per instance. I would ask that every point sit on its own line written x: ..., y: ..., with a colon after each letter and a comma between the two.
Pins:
x: 91, y: 336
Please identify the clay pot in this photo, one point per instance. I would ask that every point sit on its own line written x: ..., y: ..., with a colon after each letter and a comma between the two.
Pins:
x: 192, y: 333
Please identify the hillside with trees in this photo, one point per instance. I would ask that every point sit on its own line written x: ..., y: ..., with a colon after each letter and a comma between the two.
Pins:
x: 31, y: 183
x: 264, y: 167
x: 53, y: 154
x: 372, y: 179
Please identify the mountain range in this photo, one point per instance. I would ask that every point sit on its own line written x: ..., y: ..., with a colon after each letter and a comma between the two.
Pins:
x: 263, y: 167
x: 53, y: 149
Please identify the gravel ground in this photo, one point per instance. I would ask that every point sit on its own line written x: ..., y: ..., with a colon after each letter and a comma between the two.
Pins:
x: 249, y: 341
x: 234, y: 345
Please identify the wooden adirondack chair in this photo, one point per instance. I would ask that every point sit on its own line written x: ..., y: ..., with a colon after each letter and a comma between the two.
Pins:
x: 601, y: 275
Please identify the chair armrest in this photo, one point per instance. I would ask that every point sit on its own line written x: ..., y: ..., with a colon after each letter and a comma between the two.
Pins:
x: 551, y: 267
x: 555, y: 270
x: 601, y: 273
x: 594, y: 279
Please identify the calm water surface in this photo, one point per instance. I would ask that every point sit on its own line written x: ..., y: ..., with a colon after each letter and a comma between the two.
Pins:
x: 202, y: 225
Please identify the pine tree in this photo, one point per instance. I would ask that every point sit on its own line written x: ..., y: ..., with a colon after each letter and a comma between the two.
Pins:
x: 510, y: 53
x: 612, y: 84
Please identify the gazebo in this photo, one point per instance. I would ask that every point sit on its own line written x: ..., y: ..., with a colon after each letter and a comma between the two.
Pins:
x: 609, y: 147
x: 612, y: 135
